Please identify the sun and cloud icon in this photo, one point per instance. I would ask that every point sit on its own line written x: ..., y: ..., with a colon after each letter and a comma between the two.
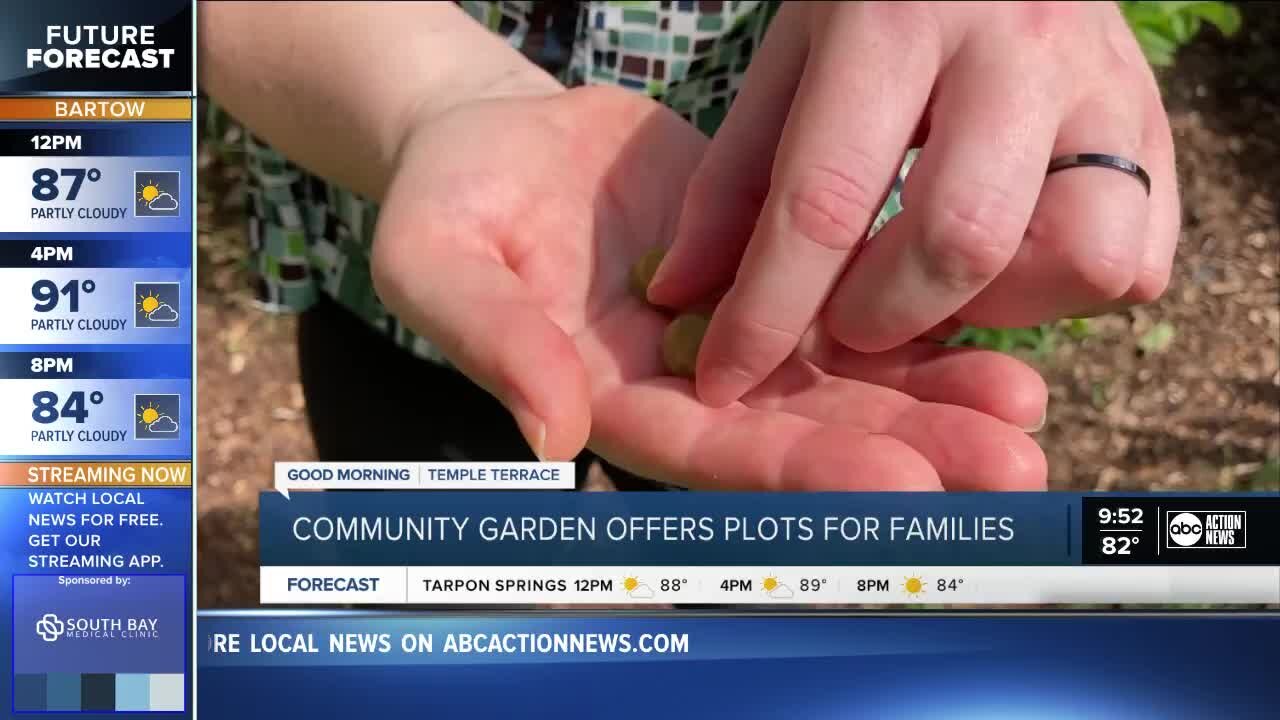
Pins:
x: 163, y: 201
x: 157, y: 304
x: 156, y: 310
x: 776, y: 589
x: 636, y: 589
x: 156, y: 416
x: 157, y: 193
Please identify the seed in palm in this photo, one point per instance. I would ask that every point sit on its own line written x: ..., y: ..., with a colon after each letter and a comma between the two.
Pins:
x: 681, y: 341
x: 643, y: 271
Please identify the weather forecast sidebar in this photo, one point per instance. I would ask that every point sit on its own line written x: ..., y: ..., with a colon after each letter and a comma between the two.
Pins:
x: 97, y: 322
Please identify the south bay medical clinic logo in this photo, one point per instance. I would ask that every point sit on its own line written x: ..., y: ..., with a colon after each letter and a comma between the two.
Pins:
x: 51, y: 628
x: 1200, y: 529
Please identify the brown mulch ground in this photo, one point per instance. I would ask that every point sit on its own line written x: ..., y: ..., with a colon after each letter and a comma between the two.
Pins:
x: 1202, y: 413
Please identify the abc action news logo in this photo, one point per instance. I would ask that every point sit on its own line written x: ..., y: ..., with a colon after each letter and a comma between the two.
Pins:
x: 1217, y: 529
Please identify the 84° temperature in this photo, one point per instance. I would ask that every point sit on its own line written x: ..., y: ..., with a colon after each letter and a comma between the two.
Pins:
x: 47, y: 409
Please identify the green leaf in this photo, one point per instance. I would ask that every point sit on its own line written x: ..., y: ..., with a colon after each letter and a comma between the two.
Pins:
x: 1157, y: 339
x: 1078, y: 328
x: 1176, y: 7
x: 1158, y: 49
x: 1224, y: 16
x: 1184, y: 28
x: 1005, y: 342
x: 1163, y: 27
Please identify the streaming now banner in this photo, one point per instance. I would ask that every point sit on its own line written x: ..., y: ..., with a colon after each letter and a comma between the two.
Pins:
x: 97, y: 592
x: 990, y: 667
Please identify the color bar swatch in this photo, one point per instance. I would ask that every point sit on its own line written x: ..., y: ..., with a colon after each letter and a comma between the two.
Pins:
x: 99, y: 692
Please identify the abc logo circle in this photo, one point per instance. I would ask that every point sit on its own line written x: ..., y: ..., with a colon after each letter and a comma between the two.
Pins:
x: 1185, y: 529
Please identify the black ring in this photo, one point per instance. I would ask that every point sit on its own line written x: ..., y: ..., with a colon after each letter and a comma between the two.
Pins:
x: 1114, y: 162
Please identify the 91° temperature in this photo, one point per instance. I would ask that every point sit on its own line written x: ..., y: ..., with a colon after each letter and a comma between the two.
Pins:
x: 47, y: 294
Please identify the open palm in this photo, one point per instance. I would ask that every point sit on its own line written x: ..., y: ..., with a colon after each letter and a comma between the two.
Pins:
x: 506, y: 238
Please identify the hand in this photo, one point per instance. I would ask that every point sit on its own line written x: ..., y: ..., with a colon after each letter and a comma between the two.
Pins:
x: 993, y: 91
x: 506, y: 236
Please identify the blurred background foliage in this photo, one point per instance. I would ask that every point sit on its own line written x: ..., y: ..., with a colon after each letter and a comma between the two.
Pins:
x: 1163, y: 27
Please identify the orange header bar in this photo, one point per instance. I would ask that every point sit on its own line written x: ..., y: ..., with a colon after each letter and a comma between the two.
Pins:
x: 94, y: 109
x: 106, y: 474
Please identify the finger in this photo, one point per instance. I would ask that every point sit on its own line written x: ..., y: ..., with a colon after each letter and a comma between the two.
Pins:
x: 724, y: 195
x: 838, y: 156
x: 487, y: 323
x: 969, y: 450
x: 1164, y: 224
x: 944, y: 330
x: 993, y: 383
x: 966, y: 204
x: 700, y: 446
x: 1088, y: 233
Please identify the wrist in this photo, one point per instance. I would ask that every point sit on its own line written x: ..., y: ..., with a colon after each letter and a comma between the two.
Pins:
x: 522, y: 81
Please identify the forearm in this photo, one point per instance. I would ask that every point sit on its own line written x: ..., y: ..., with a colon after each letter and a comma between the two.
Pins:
x: 337, y: 87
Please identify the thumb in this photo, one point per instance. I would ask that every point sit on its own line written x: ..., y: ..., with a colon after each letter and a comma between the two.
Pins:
x: 486, y: 321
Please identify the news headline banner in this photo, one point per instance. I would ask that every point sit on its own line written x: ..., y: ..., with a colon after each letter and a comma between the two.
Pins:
x: 787, y: 529
x: 771, y: 549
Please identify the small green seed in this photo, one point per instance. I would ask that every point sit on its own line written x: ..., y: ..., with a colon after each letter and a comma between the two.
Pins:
x: 643, y: 271
x: 681, y: 341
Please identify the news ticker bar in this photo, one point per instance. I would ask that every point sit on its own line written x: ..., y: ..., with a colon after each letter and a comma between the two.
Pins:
x: 789, y: 586
x: 353, y: 664
x: 392, y: 528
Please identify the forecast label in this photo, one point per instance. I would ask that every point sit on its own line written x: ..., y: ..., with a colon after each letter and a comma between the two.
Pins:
x: 764, y: 586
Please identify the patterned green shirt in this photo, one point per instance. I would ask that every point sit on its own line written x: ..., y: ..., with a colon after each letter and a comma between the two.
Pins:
x: 309, y: 236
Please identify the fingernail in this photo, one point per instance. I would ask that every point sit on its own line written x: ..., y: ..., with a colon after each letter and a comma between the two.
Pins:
x: 657, y: 280
x: 539, y: 442
x: 1040, y: 425
x: 534, y: 431
x: 720, y: 386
